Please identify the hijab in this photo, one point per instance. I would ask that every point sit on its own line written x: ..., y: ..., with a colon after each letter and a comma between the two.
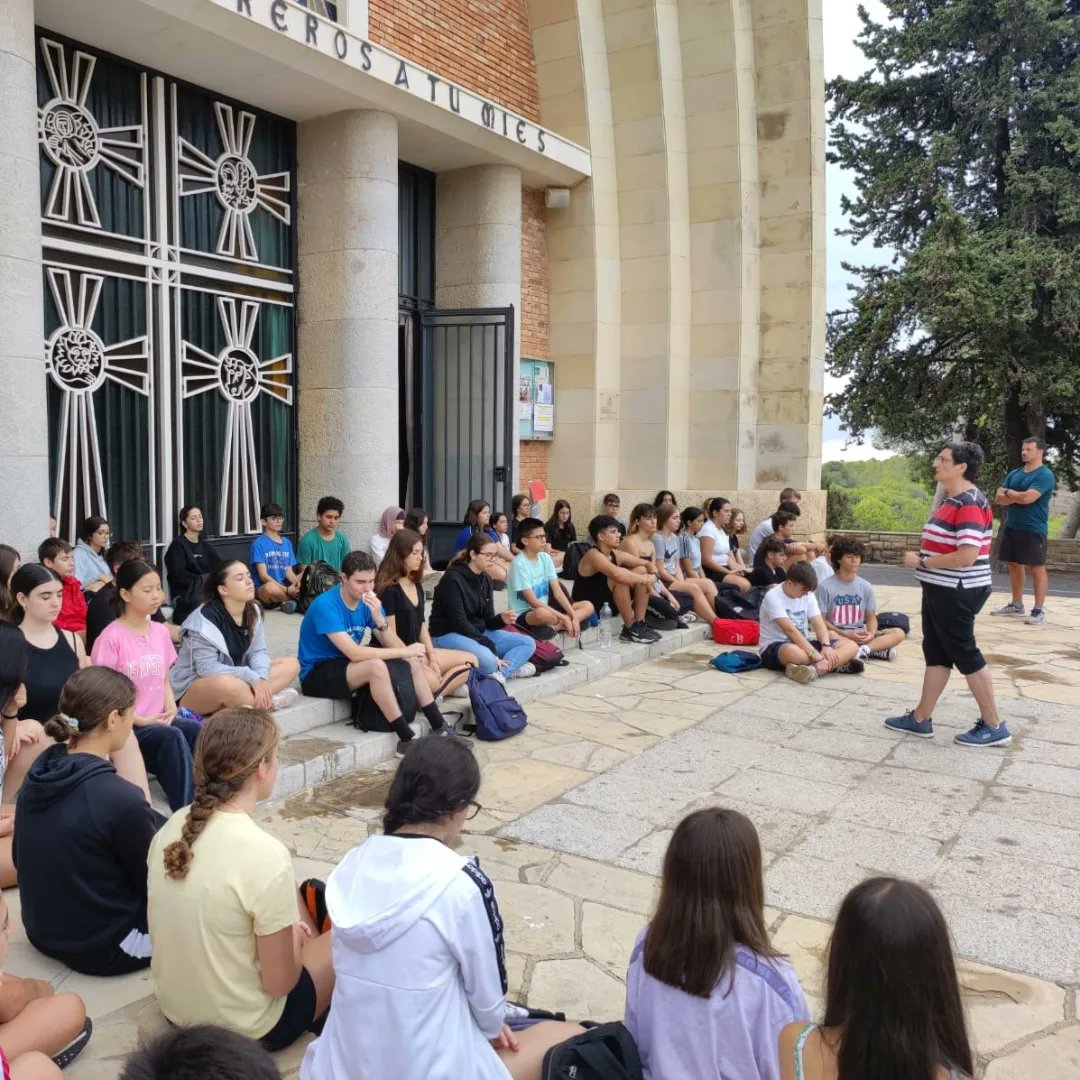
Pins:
x: 390, y: 516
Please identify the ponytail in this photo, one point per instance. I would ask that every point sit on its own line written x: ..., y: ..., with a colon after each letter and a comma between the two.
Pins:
x: 234, y: 743
x: 87, y: 700
x: 436, y: 777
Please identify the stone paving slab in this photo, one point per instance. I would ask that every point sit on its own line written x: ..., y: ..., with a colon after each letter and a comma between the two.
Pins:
x: 579, y: 809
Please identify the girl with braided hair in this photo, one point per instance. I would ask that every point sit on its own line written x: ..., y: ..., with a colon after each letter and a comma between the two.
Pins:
x: 83, y: 834
x: 223, y: 896
x: 418, y: 944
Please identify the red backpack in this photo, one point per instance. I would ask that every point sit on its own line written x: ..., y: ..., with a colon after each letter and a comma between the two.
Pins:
x: 546, y: 656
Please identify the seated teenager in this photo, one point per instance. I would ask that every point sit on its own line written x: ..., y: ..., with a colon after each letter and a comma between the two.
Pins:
x: 463, y: 614
x: 693, y: 518
x: 326, y: 542
x: 103, y: 607
x: 188, y: 559
x: 12, y: 696
x: 535, y: 594
x: 767, y: 528
x: 849, y: 605
x: 223, y: 661
x: 772, y: 560
x: 560, y: 531
x: 51, y: 656
x: 610, y: 508
x: 420, y: 975
x: 336, y: 658
x: 715, y: 546
x: 273, y: 563
x: 200, y: 1052
x: 9, y: 563
x: 638, y: 545
x: 500, y: 526
x: 892, y: 997
x: 235, y: 943
x: 84, y: 833
x: 89, y: 554
x: 397, y: 585
x: 666, y: 548
x: 609, y: 576
x: 40, y: 1030
x: 478, y: 523
x: 56, y: 555
x: 520, y: 509
x: 144, y: 652
x: 736, y: 528
x: 392, y: 520
x: 783, y: 524
x: 416, y: 520
x: 789, y: 614
x: 707, y: 994
x: 664, y: 498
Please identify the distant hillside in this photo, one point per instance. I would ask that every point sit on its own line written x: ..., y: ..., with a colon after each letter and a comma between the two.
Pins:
x: 875, y: 494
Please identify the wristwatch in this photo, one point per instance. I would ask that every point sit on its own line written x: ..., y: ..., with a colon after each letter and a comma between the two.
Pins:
x: 382, y: 629
x: 922, y: 561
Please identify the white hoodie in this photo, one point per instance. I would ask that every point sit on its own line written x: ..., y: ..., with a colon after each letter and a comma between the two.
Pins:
x: 418, y: 962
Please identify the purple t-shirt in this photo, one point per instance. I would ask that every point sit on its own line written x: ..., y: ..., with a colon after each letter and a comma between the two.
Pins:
x: 732, y: 1035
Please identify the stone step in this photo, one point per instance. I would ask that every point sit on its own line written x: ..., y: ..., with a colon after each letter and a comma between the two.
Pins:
x: 319, y: 744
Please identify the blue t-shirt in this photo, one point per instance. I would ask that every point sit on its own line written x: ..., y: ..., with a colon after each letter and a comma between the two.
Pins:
x: 1035, y: 517
x: 278, y: 557
x: 526, y: 574
x: 465, y: 535
x: 329, y: 614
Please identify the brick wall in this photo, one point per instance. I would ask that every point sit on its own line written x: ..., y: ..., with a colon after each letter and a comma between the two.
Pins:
x: 535, y: 322
x: 1062, y: 556
x: 483, y: 45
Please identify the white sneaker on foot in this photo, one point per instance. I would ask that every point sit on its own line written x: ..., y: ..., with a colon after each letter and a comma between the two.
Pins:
x: 284, y: 698
x: 801, y: 673
x: 526, y: 671
x: 1011, y: 608
x: 461, y: 692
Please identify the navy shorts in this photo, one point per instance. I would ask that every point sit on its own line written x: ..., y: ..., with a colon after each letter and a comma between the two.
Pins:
x: 1023, y: 547
x: 770, y: 655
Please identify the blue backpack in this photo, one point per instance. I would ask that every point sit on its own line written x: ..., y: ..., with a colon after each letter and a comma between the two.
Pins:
x: 736, y: 661
x: 497, y: 714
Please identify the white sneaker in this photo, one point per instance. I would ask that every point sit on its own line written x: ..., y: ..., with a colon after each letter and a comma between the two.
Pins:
x: 864, y: 652
x: 461, y: 692
x: 284, y: 698
x: 500, y: 676
x: 526, y: 671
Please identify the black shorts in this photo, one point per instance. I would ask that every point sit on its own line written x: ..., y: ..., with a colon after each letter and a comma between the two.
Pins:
x: 948, y: 626
x: 1022, y: 546
x: 327, y: 679
x: 770, y: 655
x: 298, y: 1017
x: 104, y: 962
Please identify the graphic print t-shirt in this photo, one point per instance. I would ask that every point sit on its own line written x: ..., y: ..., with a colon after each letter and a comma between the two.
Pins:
x: 846, y: 603
x: 278, y: 557
x: 778, y: 605
x: 525, y: 574
x: 144, y: 658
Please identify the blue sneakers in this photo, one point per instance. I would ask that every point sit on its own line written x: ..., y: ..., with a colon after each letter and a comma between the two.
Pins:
x: 910, y: 726
x: 982, y: 734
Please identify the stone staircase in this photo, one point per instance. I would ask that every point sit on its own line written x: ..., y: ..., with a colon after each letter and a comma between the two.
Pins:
x: 321, y: 744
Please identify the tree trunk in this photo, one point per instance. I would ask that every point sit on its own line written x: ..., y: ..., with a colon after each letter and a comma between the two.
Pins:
x: 1072, y: 523
x: 1015, y: 425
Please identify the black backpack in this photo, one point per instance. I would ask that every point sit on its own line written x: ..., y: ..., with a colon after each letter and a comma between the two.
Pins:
x: 604, y: 1052
x: 319, y: 577
x: 575, y: 552
x: 731, y: 607
x: 367, y: 716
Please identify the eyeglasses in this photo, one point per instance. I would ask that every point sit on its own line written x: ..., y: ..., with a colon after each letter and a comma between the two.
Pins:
x: 474, y: 808
x: 490, y: 554
x: 939, y: 460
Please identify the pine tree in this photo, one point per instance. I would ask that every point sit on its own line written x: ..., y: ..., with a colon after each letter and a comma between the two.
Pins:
x: 964, y: 145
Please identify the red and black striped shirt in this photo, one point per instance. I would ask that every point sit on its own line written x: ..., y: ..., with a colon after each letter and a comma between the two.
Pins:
x: 962, y: 520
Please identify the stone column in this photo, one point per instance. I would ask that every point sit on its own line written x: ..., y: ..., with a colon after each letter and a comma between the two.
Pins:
x: 348, y: 335
x: 24, y: 441
x: 478, y: 248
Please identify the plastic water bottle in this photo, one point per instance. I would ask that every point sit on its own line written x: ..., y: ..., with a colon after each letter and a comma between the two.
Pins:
x: 603, y: 634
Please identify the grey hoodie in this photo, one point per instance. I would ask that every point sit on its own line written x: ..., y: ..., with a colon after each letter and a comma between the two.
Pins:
x: 202, y: 652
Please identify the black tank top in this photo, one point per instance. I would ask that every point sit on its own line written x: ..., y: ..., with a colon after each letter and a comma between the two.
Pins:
x: 46, y: 672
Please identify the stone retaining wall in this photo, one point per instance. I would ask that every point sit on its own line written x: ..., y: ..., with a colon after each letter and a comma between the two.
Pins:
x: 1062, y: 556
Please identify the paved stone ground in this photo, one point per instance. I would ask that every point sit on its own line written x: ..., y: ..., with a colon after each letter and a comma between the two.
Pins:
x: 579, y: 807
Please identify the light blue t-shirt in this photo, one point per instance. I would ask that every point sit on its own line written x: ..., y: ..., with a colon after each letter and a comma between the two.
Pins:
x: 278, y: 557
x: 527, y: 574
x: 1035, y: 517
x: 329, y: 614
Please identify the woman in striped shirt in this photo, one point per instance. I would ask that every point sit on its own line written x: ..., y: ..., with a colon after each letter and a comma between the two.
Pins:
x: 953, y: 567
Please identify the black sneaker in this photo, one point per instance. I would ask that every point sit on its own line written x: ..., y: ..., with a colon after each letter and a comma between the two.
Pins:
x: 852, y: 667
x: 74, y: 1048
x: 636, y: 634
x: 403, y: 746
x: 648, y: 633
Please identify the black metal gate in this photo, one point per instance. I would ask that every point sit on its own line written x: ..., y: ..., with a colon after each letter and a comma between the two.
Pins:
x: 465, y: 425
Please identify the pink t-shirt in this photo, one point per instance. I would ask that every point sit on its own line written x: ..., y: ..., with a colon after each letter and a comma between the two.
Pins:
x: 144, y: 658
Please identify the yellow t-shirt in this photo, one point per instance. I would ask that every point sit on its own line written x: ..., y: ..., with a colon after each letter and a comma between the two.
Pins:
x: 203, y: 928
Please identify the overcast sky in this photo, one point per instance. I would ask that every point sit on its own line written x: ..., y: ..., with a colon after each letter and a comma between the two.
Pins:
x: 842, y: 57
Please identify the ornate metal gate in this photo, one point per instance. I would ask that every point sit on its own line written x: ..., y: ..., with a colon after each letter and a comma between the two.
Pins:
x: 169, y: 309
